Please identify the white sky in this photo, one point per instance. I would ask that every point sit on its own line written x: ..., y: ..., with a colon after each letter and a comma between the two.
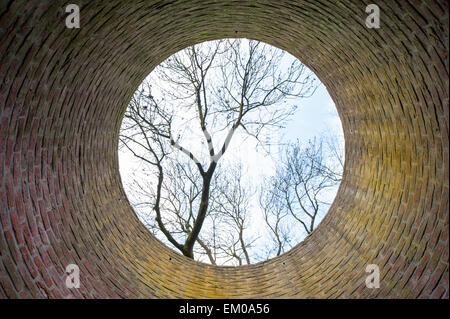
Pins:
x: 315, y: 116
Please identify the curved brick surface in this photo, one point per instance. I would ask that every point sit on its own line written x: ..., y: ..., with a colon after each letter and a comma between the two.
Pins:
x: 63, y: 92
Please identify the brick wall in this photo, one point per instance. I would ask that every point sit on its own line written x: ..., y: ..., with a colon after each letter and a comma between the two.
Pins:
x: 63, y: 93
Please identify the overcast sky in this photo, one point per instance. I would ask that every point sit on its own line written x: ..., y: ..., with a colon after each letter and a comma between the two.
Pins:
x: 316, y: 116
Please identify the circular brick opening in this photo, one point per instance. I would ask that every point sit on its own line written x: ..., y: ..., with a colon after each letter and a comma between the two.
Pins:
x: 314, y: 121
x: 63, y: 93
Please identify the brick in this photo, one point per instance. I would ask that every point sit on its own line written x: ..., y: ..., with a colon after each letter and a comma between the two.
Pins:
x: 62, y: 95
x: 43, y: 272
x: 13, y: 273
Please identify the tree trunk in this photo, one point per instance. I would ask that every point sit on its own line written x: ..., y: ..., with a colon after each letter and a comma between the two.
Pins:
x: 188, y: 248
x: 207, y: 250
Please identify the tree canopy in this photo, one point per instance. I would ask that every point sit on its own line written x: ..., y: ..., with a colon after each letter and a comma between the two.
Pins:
x: 180, y: 123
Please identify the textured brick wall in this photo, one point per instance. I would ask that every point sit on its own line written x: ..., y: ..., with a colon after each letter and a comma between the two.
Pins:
x: 62, y: 95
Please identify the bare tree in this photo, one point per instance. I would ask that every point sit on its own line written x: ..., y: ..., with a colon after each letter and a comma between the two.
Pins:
x: 203, y: 93
x: 234, y: 204
x: 275, y: 214
x: 297, y: 191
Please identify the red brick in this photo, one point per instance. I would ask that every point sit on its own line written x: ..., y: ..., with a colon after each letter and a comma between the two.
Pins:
x: 43, y: 272
x: 62, y: 92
